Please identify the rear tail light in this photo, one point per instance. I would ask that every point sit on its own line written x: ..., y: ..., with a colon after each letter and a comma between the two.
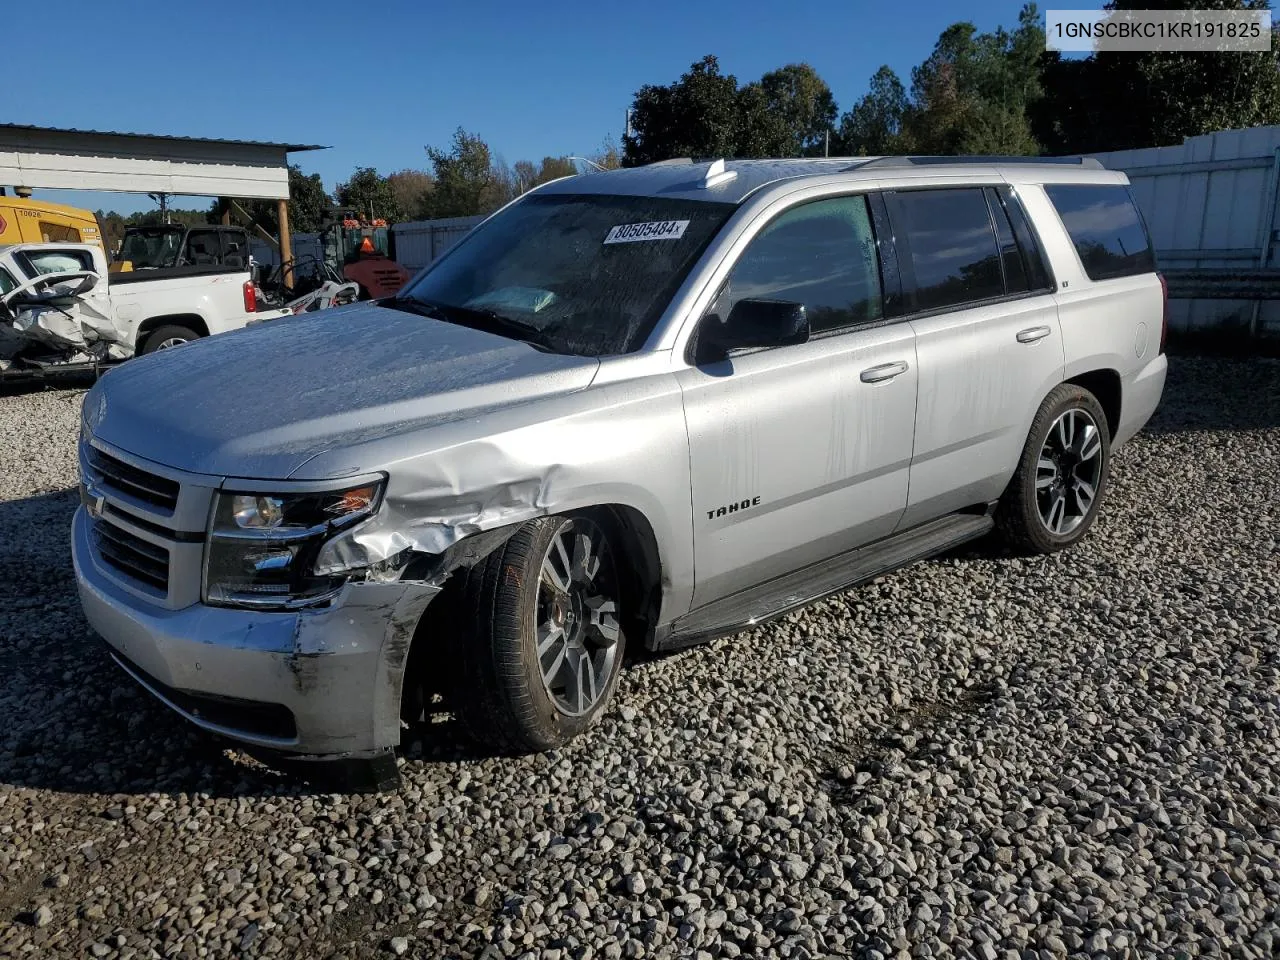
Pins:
x: 250, y: 297
x: 1164, y: 310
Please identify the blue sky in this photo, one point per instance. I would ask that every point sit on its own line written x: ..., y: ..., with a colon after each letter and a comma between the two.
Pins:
x: 378, y: 81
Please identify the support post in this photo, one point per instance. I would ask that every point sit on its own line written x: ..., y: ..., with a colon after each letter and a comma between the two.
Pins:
x: 225, y: 206
x: 286, y: 243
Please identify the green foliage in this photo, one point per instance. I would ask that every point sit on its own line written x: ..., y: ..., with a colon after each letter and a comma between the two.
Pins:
x: 308, y: 203
x: 413, y: 192
x: 1118, y: 101
x: 803, y: 109
x: 786, y: 113
x: 693, y: 117
x: 465, y: 184
x: 873, y: 127
x: 369, y: 193
x: 972, y: 93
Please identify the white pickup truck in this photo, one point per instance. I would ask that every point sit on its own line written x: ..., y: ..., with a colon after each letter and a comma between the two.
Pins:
x: 116, y: 315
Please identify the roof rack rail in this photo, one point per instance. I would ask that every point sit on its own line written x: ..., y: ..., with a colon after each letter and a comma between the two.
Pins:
x: 1087, y: 162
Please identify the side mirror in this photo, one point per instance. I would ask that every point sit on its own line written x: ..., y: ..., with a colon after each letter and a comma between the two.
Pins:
x: 754, y: 323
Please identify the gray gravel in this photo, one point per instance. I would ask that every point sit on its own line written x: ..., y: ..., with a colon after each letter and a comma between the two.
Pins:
x: 981, y: 756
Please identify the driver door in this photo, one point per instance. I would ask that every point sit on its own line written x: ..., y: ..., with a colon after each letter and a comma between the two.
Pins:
x: 799, y: 453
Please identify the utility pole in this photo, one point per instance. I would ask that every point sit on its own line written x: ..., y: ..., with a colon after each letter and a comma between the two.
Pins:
x: 826, y: 149
x: 628, y: 124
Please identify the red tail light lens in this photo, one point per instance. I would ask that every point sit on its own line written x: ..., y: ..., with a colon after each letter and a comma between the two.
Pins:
x: 250, y: 297
x: 1164, y: 311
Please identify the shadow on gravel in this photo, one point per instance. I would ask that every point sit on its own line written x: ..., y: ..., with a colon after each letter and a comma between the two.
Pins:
x: 72, y: 721
x: 1218, y: 393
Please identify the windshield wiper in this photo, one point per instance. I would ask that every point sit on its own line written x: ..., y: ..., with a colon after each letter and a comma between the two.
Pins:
x: 413, y: 305
x: 488, y: 321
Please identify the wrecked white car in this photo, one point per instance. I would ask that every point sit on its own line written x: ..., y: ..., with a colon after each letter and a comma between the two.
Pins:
x: 61, y: 311
x: 644, y: 407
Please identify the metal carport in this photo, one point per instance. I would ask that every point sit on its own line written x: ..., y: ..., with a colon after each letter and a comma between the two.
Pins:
x: 48, y: 158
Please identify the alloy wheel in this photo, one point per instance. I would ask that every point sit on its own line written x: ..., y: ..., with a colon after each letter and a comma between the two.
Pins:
x: 1069, y: 471
x: 577, y: 617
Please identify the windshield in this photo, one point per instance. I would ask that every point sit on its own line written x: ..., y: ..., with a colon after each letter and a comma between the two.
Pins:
x: 156, y: 247
x: 590, y: 273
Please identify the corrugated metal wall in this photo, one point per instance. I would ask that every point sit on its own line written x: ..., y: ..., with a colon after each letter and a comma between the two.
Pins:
x: 1211, y: 202
x: 420, y: 242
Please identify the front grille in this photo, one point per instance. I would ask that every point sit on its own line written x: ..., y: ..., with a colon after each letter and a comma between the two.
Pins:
x: 137, y: 558
x: 129, y: 480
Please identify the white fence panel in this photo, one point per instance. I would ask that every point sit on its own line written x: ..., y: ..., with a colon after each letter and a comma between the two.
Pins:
x: 420, y: 242
x: 1211, y: 202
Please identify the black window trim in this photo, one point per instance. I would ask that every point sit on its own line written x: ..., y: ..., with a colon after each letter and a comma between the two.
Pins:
x: 908, y: 274
x: 24, y: 261
x: 1028, y: 240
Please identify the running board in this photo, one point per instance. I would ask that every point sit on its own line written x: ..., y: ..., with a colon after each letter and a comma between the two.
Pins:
x: 748, y: 608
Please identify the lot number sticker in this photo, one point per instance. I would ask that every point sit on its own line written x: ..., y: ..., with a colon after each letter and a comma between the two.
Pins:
x: 655, y: 230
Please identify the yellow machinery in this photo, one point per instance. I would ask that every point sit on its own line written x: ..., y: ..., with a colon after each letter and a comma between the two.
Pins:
x: 23, y: 220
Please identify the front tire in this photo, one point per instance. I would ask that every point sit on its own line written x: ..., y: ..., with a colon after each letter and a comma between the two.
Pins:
x: 541, y: 642
x: 1054, y: 496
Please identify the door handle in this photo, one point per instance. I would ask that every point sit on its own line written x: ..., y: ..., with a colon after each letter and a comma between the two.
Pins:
x: 885, y: 371
x: 1032, y: 334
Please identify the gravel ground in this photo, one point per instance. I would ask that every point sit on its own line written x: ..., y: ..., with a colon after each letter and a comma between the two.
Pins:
x: 978, y: 756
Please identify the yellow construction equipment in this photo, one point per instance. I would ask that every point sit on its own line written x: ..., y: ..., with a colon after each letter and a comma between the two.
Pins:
x: 24, y: 220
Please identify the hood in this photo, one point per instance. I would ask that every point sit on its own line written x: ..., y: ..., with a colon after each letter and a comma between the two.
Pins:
x: 262, y: 401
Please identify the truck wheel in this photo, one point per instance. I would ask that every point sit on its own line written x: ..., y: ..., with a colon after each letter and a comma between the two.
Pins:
x: 542, y: 645
x: 1054, y: 495
x: 170, y: 335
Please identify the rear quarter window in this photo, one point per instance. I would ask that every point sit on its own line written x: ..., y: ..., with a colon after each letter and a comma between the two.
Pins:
x: 1106, y: 228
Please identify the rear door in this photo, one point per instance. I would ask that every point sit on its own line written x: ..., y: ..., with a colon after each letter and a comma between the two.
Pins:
x: 798, y: 453
x: 988, y: 340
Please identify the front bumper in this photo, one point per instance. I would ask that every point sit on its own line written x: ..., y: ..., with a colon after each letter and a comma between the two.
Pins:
x: 319, y: 683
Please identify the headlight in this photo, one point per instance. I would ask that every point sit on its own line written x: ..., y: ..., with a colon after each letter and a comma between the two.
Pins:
x: 263, y: 546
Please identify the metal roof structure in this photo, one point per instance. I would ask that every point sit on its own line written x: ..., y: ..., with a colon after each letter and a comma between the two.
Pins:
x: 53, y: 158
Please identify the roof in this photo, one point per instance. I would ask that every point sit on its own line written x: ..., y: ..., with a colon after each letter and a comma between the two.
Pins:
x: 287, y: 147
x: 687, y: 179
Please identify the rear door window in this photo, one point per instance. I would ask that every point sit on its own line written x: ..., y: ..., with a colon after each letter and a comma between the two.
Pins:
x: 951, y: 248
x: 1106, y: 228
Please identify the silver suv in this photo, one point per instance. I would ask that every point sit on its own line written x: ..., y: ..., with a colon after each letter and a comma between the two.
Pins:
x: 638, y: 408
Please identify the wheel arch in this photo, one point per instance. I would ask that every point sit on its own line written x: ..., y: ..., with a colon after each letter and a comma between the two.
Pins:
x: 430, y: 646
x: 1104, y: 384
x: 191, y: 320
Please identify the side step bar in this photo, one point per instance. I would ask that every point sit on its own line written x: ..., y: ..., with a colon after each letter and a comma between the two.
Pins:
x: 748, y: 608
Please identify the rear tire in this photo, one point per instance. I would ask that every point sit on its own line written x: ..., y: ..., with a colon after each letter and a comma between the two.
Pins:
x: 541, y: 645
x: 1054, y: 496
x: 170, y: 335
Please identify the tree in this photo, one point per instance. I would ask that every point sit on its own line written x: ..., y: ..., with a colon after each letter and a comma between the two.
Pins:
x: 873, y: 127
x: 308, y: 206
x: 369, y: 193
x: 465, y: 180
x: 609, y: 155
x: 308, y: 201
x: 803, y: 108
x: 973, y: 93
x: 696, y: 116
x: 412, y: 190
x: 1118, y: 101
